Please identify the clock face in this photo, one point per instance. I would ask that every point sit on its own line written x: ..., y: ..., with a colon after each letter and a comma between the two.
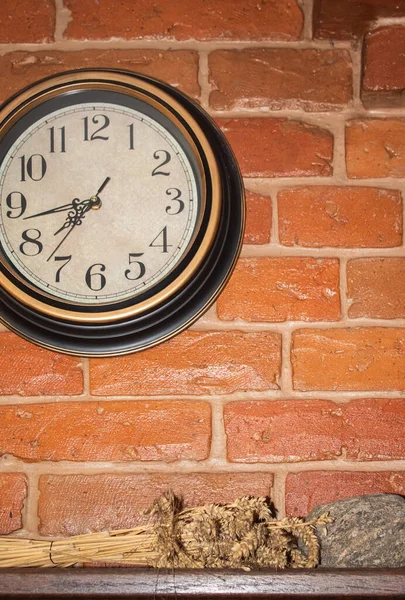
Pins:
x: 121, y: 212
x: 100, y: 200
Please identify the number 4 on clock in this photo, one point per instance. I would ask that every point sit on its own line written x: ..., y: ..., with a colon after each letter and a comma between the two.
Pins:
x: 164, y: 245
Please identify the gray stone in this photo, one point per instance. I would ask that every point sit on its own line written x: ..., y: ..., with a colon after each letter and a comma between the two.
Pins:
x: 367, y: 531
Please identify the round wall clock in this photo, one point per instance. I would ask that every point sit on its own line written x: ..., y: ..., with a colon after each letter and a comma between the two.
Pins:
x: 122, y: 212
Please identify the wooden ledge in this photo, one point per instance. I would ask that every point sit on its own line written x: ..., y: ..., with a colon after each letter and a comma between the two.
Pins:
x: 128, y: 583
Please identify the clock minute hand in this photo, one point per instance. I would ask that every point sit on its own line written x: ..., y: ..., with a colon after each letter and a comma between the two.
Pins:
x: 61, y: 208
x: 65, y: 207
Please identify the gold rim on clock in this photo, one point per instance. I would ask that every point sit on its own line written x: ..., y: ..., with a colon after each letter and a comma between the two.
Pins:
x: 124, y: 84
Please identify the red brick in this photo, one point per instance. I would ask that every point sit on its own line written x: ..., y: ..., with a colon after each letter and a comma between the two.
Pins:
x: 306, y: 490
x: 27, y: 370
x: 348, y: 217
x: 177, y: 67
x: 106, y: 431
x: 349, y: 19
x: 74, y: 504
x: 277, y: 78
x: 376, y: 287
x: 25, y: 21
x: 258, y: 219
x: 279, y: 147
x: 193, y: 363
x: 375, y: 148
x: 383, y: 80
x: 282, y: 289
x: 192, y: 19
x: 13, y: 492
x: 358, y: 358
x: 298, y: 430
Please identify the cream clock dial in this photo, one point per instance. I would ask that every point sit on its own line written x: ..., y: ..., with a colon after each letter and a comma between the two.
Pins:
x: 121, y: 212
x: 101, y: 202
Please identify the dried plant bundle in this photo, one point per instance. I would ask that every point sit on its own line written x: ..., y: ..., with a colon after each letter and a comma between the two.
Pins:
x: 243, y: 534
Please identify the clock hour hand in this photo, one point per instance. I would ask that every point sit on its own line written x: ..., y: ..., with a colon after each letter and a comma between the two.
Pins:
x: 76, y: 221
x: 76, y: 215
x: 74, y: 218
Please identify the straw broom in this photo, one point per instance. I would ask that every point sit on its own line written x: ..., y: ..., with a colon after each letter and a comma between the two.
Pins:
x: 243, y: 534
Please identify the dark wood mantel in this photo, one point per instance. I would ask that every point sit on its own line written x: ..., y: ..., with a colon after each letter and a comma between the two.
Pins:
x: 225, y: 584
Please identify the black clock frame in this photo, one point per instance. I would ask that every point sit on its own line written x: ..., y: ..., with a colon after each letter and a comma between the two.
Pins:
x: 161, y: 322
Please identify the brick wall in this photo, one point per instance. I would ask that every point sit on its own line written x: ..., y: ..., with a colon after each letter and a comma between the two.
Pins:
x: 293, y: 383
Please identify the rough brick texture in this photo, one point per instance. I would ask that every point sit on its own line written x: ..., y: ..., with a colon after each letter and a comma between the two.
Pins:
x: 300, y: 362
x: 383, y: 81
x: 281, y: 289
x: 349, y: 19
x: 358, y: 358
x: 31, y: 371
x: 24, y: 21
x: 296, y: 431
x: 177, y: 67
x: 258, y: 218
x: 272, y: 79
x: 193, y: 363
x: 279, y: 147
x: 375, y: 148
x: 347, y: 217
x: 376, y: 287
x: 107, y: 431
x: 74, y: 504
x: 13, y: 492
x: 304, y: 491
x: 193, y: 19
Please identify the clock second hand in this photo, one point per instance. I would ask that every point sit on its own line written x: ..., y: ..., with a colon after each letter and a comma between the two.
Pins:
x: 102, y: 186
x: 94, y: 202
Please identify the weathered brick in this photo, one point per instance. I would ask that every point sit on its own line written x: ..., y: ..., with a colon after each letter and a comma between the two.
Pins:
x: 258, y: 218
x: 193, y: 19
x: 376, y: 287
x: 299, y: 430
x: 25, y: 21
x: 193, y: 363
x: 358, y: 358
x: 348, y: 217
x: 106, y: 431
x: 375, y: 148
x: 383, y: 81
x: 306, y: 490
x: 282, y: 289
x: 28, y: 370
x: 349, y: 19
x: 74, y: 504
x: 277, y: 78
x: 177, y: 67
x: 279, y: 147
x: 13, y: 492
